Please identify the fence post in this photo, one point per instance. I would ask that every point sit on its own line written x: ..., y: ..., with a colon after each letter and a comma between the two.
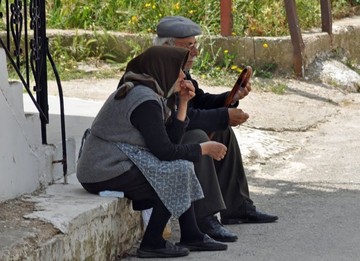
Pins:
x: 38, y: 57
x: 226, y: 20
x: 326, y: 17
x: 296, y: 38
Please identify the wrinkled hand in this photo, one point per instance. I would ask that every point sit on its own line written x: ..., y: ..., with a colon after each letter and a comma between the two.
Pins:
x: 237, y: 116
x: 215, y: 150
x: 242, y: 92
x: 187, y: 91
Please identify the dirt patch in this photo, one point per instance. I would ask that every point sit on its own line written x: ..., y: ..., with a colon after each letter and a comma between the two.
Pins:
x: 17, y: 231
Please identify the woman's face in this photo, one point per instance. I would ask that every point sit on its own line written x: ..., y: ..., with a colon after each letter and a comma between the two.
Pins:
x: 180, y: 81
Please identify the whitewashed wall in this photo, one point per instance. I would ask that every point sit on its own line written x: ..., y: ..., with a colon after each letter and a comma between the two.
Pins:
x: 25, y: 163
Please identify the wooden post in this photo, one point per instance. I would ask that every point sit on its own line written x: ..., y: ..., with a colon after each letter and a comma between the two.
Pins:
x: 226, y: 20
x: 296, y: 37
x: 326, y: 17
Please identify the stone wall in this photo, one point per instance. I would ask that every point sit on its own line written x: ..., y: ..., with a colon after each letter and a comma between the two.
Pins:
x: 254, y: 51
x: 64, y: 222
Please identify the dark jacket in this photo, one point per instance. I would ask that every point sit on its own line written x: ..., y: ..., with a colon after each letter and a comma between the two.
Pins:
x: 206, y: 110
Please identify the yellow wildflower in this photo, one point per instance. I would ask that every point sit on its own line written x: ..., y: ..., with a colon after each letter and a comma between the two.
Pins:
x: 233, y: 67
x: 134, y: 19
x: 226, y: 51
x: 177, y: 6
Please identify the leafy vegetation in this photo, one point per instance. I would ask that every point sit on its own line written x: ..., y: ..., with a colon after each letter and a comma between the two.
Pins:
x: 250, y: 18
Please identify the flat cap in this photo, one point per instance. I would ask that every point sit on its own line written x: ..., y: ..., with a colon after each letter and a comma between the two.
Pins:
x: 178, y: 27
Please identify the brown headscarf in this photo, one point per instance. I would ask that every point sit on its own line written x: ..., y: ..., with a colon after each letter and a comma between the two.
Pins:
x: 157, y: 67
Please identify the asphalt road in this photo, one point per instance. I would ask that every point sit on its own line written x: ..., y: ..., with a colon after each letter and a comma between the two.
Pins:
x: 302, y: 153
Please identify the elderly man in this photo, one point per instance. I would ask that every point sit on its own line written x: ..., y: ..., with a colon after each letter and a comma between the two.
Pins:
x: 224, y: 182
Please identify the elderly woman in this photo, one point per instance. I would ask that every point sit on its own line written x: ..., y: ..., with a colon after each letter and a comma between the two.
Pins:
x: 134, y: 147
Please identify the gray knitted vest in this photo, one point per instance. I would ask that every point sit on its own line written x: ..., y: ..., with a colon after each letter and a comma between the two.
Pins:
x: 100, y: 159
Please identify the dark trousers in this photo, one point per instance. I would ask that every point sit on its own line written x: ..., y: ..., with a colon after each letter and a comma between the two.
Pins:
x: 223, y: 182
x: 231, y: 174
x: 138, y: 189
x: 133, y: 184
x: 206, y: 173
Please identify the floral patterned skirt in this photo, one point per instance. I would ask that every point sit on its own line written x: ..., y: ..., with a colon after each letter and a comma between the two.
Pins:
x: 175, y: 181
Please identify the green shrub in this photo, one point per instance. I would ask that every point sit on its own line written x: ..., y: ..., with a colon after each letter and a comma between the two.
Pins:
x: 251, y: 17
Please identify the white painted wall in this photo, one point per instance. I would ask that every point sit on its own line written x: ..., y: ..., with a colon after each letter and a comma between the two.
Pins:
x: 19, y: 162
x: 25, y: 163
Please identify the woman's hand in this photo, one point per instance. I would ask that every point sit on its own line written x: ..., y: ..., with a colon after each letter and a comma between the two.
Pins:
x: 215, y: 150
x: 187, y: 91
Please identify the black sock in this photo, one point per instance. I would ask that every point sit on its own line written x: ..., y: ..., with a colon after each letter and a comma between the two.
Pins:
x: 153, y: 234
x: 190, y: 231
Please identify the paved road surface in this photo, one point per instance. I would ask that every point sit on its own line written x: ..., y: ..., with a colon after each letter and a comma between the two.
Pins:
x: 302, y: 154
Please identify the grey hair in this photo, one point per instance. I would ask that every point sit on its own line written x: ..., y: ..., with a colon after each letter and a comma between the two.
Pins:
x: 164, y: 41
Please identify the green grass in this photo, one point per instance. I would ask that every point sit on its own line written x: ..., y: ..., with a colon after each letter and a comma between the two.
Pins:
x: 251, y: 18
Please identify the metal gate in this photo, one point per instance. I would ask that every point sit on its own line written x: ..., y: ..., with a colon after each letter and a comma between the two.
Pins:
x: 26, y: 46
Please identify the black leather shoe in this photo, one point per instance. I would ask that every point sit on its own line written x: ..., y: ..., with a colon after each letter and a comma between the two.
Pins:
x: 210, y: 225
x: 249, y: 214
x: 170, y: 250
x: 207, y: 244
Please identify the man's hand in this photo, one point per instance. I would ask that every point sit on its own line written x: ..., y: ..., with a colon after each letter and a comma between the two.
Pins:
x: 237, y: 116
x: 242, y: 92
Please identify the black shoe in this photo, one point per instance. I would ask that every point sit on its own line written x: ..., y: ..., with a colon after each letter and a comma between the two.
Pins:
x: 210, y: 225
x: 170, y: 250
x: 249, y: 214
x: 207, y: 244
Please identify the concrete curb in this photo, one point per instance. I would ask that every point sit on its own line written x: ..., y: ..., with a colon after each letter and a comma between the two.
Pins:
x: 89, y: 227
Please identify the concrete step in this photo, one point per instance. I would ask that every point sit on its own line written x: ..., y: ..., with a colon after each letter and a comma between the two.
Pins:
x: 78, y: 117
x: 64, y: 222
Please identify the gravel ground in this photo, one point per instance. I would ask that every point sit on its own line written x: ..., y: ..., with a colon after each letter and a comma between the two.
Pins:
x: 301, y: 153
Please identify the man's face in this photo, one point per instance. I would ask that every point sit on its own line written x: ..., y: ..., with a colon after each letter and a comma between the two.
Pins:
x: 190, y: 44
